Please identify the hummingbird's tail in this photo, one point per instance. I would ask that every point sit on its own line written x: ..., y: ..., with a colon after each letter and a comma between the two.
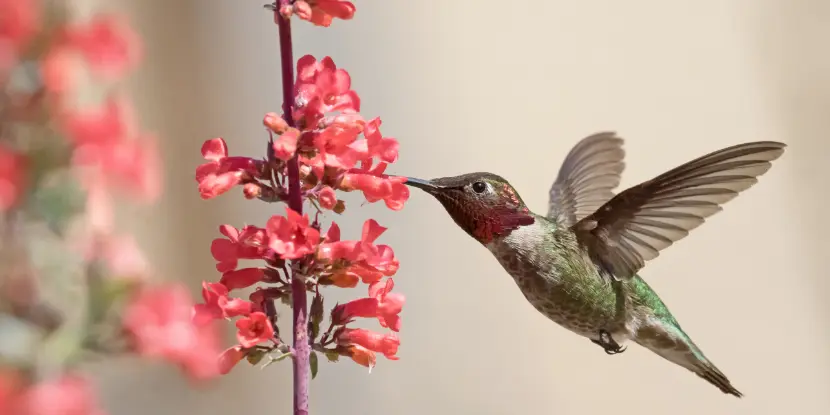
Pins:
x: 670, y: 342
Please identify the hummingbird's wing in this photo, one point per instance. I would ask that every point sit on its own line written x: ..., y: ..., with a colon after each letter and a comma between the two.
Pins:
x: 635, y: 225
x: 587, y: 178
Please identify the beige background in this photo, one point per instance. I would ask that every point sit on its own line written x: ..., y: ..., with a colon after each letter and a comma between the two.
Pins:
x: 508, y: 87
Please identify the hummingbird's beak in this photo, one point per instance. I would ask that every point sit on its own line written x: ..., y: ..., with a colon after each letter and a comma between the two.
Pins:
x: 424, y: 185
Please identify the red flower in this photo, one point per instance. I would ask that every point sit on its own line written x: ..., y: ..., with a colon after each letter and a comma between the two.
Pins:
x: 19, y: 20
x: 159, y: 319
x: 337, y: 146
x: 327, y: 198
x: 286, y: 145
x: 274, y: 123
x: 359, y: 354
x: 369, y: 262
x: 129, y: 164
x: 68, y: 395
x: 11, y: 384
x: 384, y: 148
x: 218, y: 305
x: 389, y: 304
x: 104, y: 150
x: 320, y: 89
x: 375, y: 260
x: 253, y: 330
x: 381, y: 304
x: 108, y: 45
x: 99, y: 126
x: 322, y: 12
x: 290, y: 236
x: 121, y: 254
x: 11, y: 177
x: 382, y: 343
x: 249, y: 243
x: 230, y: 357
x: 363, y: 307
x: 221, y: 173
x: 377, y: 186
x: 242, y: 278
x: 213, y: 185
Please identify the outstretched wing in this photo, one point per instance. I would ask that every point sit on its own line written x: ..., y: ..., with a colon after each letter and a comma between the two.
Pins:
x: 635, y: 225
x: 587, y: 178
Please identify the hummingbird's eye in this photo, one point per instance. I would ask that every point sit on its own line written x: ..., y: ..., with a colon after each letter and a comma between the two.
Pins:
x: 479, y: 187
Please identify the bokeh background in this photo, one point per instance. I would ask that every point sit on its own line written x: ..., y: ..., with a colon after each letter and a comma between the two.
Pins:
x: 509, y: 87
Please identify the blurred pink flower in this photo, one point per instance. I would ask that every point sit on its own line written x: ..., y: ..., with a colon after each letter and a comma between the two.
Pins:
x: 160, y: 320
x: 12, y: 177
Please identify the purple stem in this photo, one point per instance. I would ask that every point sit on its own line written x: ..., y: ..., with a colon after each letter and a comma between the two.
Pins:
x: 302, y: 367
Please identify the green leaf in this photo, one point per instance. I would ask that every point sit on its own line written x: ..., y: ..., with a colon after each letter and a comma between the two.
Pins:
x: 255, y: 356
x: 105, y: 293
x: 316, y: 314
x: 313, y: 362
x: 332, y: 355
x: 58, y: 199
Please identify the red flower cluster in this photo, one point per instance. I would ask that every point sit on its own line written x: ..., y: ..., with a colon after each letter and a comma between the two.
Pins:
x: 332, y: 156
x: 327, y: 142
x: 330, y: 260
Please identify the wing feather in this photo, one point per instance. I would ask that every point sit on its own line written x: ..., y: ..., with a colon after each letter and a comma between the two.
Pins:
x: 587, y: 178
x: 635, y: 225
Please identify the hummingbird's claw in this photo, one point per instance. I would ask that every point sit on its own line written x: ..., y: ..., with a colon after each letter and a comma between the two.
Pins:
x: 608, y: 343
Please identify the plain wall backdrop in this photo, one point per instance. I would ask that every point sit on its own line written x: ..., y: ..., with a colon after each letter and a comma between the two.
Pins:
x: 509, y: 87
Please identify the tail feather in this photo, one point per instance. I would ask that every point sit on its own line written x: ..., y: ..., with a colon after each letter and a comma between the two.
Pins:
x: 669, y: 342
x: 711, y: 374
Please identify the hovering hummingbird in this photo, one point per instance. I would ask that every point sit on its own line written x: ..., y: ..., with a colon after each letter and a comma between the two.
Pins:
x: 578, y: 264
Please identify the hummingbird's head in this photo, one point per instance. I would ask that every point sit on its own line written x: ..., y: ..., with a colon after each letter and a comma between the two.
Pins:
x: 483, y: 204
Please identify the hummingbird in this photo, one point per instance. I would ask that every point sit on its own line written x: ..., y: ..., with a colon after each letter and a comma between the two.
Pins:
x: 578, y: 264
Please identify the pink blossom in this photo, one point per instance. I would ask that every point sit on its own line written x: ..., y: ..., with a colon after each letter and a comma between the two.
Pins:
x: 382, y: 343
x: 327, y: 198
x: 248, y: 243
x: 108, y: 45
x: 221, y: 173
x: 106, y: 151
x: 322, y: 12
x: 242, y: 278
x: 160, y: 321
x: 362, y: 307
x: 69, y: 394
x: 384, y: 148
x: 254, y: 329
x: 290, y: 236
x: 19, y: 21
x: 377, y: 186
x: 12, y: 177
x: 389, y: 304
x: 274, y: 123
x: 218, y: 305
x: 286, y: 145
x: 359, y: 355
x: 230, y: 357
x: 337, y: 145
x: 321, y: 88
x: 368, y: 261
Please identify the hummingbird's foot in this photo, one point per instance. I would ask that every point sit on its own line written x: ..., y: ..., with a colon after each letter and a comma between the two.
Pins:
x: 608, y: 343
